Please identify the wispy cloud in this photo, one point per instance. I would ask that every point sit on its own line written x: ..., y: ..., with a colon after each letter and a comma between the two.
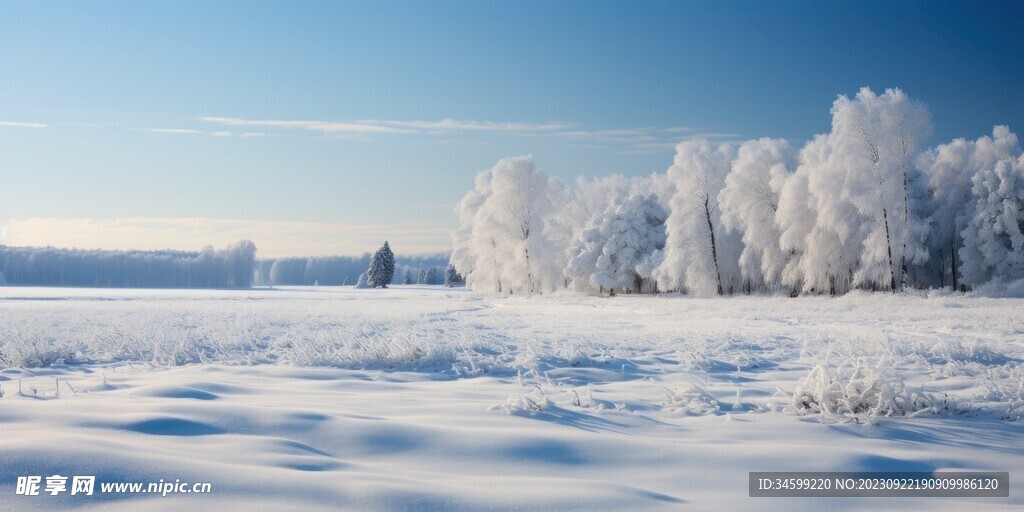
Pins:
x: 678, y: 129
x: 178, y: 131
x: 20, y: 124
x: 645, y: 139
x: 327, y: 127
x: 453, y: 125
x: 713, y: 136
x: 272, y: 238
x: 378, y: 126
x: 642, y: 139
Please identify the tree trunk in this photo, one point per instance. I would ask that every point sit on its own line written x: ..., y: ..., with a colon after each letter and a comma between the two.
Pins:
x: 529, y: 272
x: 888, y: 247
x: 942, y: 271
x: 906, y: 227
x: 952, y: 261
x: 714, y: 250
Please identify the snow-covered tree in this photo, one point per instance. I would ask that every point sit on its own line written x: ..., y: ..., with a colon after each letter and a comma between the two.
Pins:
x: 750, y: 202
x: 994, y: 235
x: 863, y: 194
x: 503, y: 247
x: 949, y: 169
x: 382, y: 267
x: 467, y: 245
x: 796, y: 218
x: 363, y: 281
x: 874, y: 138
x: 699, y: 256
x: 408, y: 277
x: 576, y: 208
x: 619, y: 241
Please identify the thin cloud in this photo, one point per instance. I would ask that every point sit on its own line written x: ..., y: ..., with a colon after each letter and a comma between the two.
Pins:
x: 379, y: 126
x: 20, y: 124
x: 327, y: 127
x: 452, y: 125
x: 631, y: 140
x: 678, y: 129
x: 177, y: 131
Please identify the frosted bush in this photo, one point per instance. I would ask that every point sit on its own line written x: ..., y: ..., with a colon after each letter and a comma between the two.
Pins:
x: 690, y: 400
x: 1003, y: 386
x: 530, y: 401
x: 857, y: 391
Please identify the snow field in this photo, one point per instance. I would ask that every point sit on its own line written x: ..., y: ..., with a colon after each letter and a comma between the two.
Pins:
x: 422, y: 398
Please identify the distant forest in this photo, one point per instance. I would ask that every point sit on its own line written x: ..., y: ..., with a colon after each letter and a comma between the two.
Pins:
x: 233, y: 267
x: 345, y: 270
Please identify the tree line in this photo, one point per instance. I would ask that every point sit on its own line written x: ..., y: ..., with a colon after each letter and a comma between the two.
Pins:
x: 231, y: 267
x: 860, y: 207
x: 340, y: 270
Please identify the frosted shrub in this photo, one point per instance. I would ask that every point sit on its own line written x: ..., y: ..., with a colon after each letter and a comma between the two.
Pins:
x: 37, y: 351
x: 534, y: 400
x: 855, y: 390
x: 689, y: 400
x: 1004, y: 386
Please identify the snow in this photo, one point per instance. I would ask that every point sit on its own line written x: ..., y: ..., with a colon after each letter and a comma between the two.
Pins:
x: 432, y: 398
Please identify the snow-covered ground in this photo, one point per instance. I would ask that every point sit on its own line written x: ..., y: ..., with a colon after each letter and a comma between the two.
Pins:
x: 424, y: 398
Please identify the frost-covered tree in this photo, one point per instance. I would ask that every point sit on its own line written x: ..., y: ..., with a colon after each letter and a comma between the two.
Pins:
x: 408, y: 277
x: 699, y: 256
x: 504, y: 247
x: 863, y: 194
x: 874, y: 138
x: 949, y: 169
x: 619, y: 241
x: 363, y: 281
x: 576, y: 208
x: 467, y: 245
x: 240, y: 264
x: 382, y: 267
x: 750, y: 202
x: 994, y: 235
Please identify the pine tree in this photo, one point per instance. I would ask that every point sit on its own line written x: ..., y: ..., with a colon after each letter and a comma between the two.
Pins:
x: 408, y: 277
x: 452, y: 277
x: 382, y: 267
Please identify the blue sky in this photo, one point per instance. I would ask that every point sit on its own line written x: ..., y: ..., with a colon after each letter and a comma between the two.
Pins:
x: 322, y: 127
